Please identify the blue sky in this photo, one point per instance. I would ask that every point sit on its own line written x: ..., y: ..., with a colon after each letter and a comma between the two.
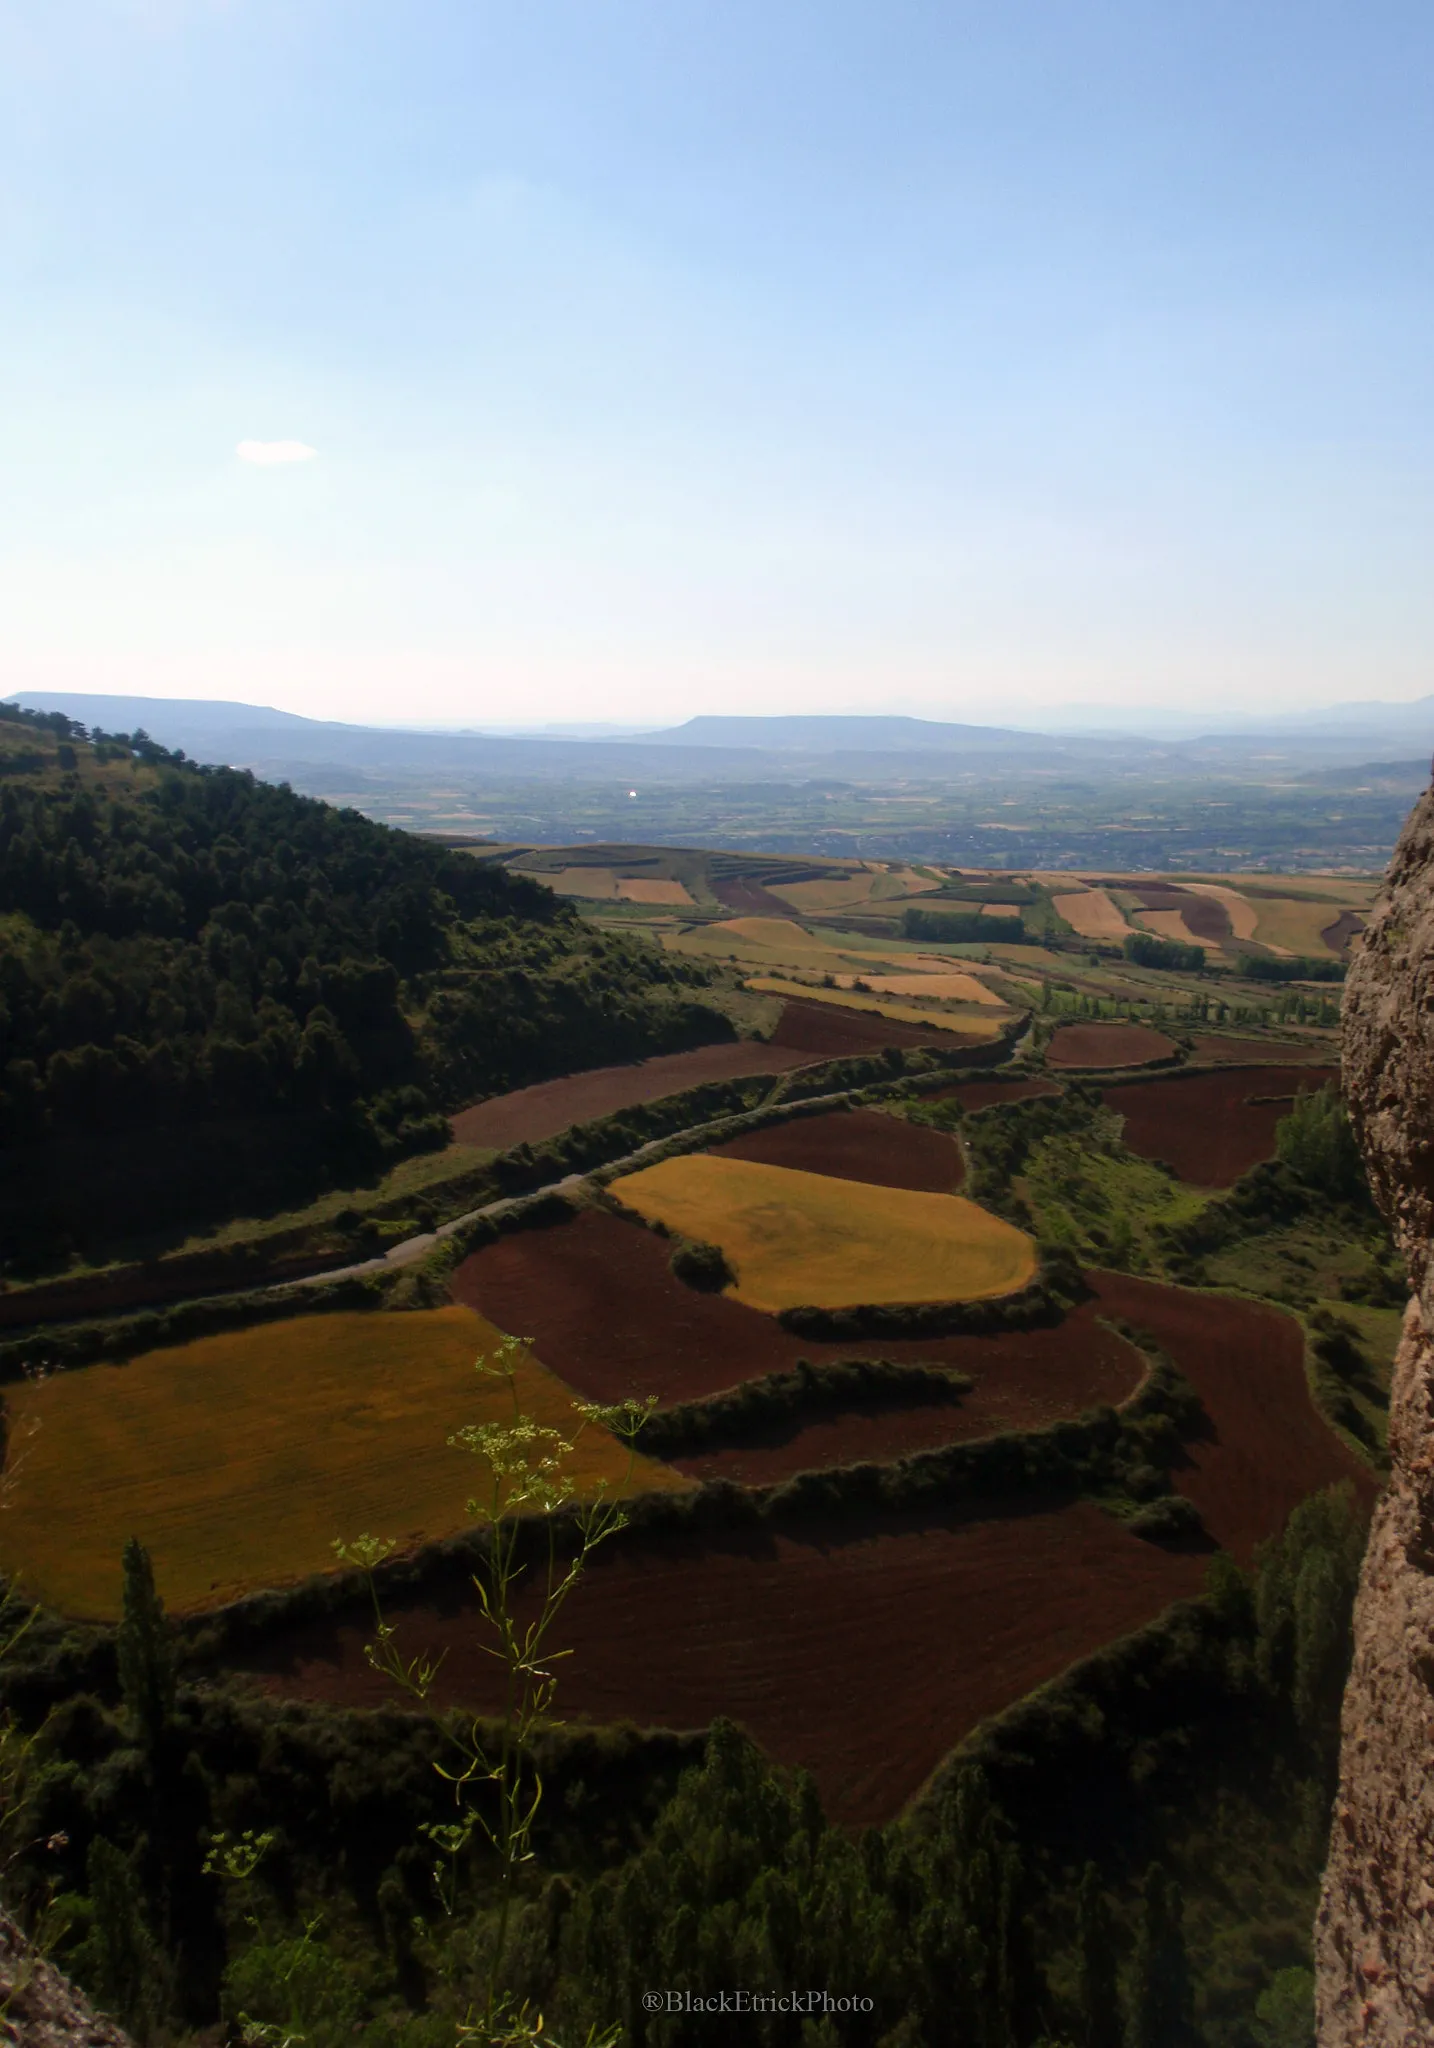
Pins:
x: 692, y: 357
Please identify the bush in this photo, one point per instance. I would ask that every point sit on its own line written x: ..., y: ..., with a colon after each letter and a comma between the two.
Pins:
x: 1170, y: 1520
x: 1316, y: 1142
x: 703, y: 1266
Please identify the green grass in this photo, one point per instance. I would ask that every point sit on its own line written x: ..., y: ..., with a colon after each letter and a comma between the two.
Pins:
x: 1087, y: 1192
x: 1298, y: 1264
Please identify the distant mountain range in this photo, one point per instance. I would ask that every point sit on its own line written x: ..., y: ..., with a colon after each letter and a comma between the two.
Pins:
x: 711, y: 748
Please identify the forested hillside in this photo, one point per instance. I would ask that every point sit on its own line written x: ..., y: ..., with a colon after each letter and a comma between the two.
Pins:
x: 248, y: 990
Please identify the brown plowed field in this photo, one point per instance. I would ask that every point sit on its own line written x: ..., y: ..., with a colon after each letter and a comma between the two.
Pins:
x: 1206, y: 1126
x: 608, y: 1315
x: 1346, y: 927
x: 863, y: 1658
x: 824, y: 1031
x: 857, y: 1144
x: 1204, y: 916
x: 529, y: 1115
x: 1108, y: 1045
x: 981, y: 1094
x: 1241, y: 1051
x: 749, y: 898
x: 1267, y: 1446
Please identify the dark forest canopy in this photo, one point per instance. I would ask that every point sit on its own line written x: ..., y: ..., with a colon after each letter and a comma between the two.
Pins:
x: 181, y: 943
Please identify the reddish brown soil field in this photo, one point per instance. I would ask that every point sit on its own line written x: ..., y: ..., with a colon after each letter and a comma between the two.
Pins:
x: 529, y: 1115
x: 1242, y: 1051
x: 824, y: 1031
x: 1205, y: 916
x: 749, y: 898
x: 1348, y: 925
x: 981, y: 1094
x: 1267, y: 1446
x: 609, y: 1316
x: 1206, y: 1126
x: 862, y: 1658
x: 1108, y: 1045
x: 858, y: 1144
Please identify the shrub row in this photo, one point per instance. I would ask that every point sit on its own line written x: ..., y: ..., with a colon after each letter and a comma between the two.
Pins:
x: 1057, y: 1286
x: 1122, y: 1457
x: 738, y: 1413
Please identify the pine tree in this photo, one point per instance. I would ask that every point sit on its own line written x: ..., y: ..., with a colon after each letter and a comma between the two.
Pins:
x: 1161, y: 2000
x: 119, y: 1961
x: 146, y: 1658
x: 1098, y: 1984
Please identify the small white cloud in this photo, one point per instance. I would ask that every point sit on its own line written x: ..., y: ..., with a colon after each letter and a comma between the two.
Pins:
x: 267, y: 453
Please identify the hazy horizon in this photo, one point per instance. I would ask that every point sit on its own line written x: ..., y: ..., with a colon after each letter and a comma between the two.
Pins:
x: 477, y: 366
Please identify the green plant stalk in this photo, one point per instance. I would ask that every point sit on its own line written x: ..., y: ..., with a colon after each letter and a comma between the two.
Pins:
x: 523, y: 1465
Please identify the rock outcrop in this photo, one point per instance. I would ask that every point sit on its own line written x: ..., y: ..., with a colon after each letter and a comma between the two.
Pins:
x: 1374, y: 1939
x: 39, y: 2008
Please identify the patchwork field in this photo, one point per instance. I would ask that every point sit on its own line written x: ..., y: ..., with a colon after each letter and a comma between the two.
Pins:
x: 857, y: 1144
x: 828, y: 1030
x: 797, y: 1633
x: 1212, y: 1127
x: 601, y: 1302
x: 944, y: 987
x: 1107, y: 1045
x: 528, y: 1115
x: 638, y: 889
x: 1092, y: 913
x: 805, y: 1239
x: 1243, y: 1051
x: 968, y: 1023
x: 237, y: 1459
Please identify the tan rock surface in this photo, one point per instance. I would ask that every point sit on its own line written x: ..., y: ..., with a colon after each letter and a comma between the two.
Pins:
x: 1374, y: 1939
x: 39, y: 2008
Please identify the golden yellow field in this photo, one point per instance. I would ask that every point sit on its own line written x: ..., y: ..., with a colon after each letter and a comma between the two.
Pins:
x: 238, y: 1458
x: 1289, y: 925
x: 947, y: 987
x: 641, y: 889
x: 595, y: 883
x: 972, y: 1023
x: 1091, y: 913
x: 836, y: 894
x: 1170, y: 924
x: 808, y: 1239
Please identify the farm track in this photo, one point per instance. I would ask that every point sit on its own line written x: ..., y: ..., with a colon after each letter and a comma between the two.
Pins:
x: 1205, y: 1125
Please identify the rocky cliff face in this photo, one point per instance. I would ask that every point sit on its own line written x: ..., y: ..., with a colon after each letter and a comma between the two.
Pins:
x: 38, y: 2009
x: 1374, y: 1940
